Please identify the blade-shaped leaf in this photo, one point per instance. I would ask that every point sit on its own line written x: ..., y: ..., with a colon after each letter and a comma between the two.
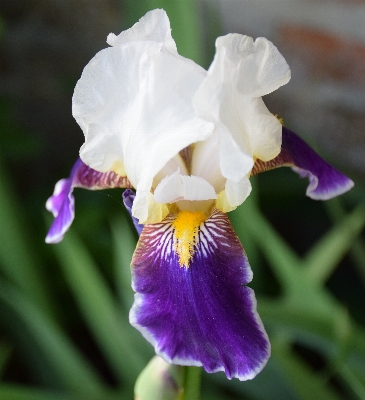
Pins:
x: 99, y: 307
x: 76, y: 374
x: 17, y: 261
x: 16, y: 392
x: 305, y: 382
x: 281, y: 257
x: 328, y: 251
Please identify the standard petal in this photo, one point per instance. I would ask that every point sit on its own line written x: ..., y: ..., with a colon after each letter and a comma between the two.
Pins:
x: 262, y: 69
x: 205, y: 162
x: 134, y: 104
x: 262, y: 128
x: 203, y: 314
x: 325, y: 182
x: 235, y: 162
x: 241, y: 72
x: 154, y: 26
x: 62, y: 202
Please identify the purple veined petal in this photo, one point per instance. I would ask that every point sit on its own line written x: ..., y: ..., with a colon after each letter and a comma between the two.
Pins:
x: 325, y: 182
x: 62, y: 202
x: 128, y: 198
x: 203, y: 314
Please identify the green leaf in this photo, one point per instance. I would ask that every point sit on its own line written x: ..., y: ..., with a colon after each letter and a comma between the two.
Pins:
x: 305, y: 382
x: 17, y: 261
x: 356, y: 384
x: 5, y: 352
x: 282, y: 258
x: 99, y: 307
x: 330, y: 249
x: 317, y: 329
x: 357, y: 252
x: 75, y: 373
x: 16, y: 392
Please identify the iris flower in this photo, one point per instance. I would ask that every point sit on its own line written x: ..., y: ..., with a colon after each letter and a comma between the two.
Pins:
x: 187, y: 140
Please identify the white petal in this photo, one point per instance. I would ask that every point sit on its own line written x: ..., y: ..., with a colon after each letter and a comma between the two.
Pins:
x: 263, y: 129
x: 146, y: 210
x: 261, y: 67
x: 134, y: 104
x: 242, y: 71
x: 170, y: 189
x: 235, y: 161
x: 206, y: 162
x: 197, y: 188
x: 237, y: 192
x: 177, y: 187
x: 176, y: 163
x: 154, y: 26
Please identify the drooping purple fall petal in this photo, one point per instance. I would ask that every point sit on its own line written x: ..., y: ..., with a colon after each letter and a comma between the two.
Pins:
x: 203, y: 314
x: 62, y: 203
x: 325, y: 182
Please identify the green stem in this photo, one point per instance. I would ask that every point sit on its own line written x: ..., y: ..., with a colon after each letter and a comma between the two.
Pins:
x: 192, y: 378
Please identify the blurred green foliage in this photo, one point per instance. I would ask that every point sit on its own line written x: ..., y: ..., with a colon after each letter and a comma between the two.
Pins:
x: 64, y: 308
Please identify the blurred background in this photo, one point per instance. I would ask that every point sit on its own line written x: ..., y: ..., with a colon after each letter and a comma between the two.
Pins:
x: 64, y: 331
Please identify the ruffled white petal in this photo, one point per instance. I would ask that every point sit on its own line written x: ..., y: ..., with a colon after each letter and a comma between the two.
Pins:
x: 134, y: 104
x: 154, y: 26
x: 261, y: 68
x: 177, y: 187
x: 242, y: 71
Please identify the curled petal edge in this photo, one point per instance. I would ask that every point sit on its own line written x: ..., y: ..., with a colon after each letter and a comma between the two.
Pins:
x: 325, y: 181
x: 62, y: 202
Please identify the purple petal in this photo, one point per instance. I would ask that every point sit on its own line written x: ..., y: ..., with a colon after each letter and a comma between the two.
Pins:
x: 62, y: 202
x: 128, y: 198
x: 62, y: 206
x: 325, y: 182
x: 200, y: 315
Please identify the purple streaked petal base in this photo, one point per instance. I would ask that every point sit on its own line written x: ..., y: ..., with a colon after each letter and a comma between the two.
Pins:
x: 203, y: 315
x: 62, y: 202
x: 325, y: 182
x: 128, y: 198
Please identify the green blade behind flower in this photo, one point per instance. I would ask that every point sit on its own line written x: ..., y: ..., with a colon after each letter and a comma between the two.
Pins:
x: 64, y: 359
x: 326, y: 254
x: 99, y: 308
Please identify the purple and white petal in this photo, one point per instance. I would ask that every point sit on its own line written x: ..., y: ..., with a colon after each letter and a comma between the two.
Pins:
x: 128, y: 198
x: 325, y: 182
x: 62, y: 203
x: 203, y: 314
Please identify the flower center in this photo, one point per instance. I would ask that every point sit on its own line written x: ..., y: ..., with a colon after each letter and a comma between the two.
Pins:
x: 186, y: 228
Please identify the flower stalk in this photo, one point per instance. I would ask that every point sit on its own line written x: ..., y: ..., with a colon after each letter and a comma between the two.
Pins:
x: 192, y: 380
